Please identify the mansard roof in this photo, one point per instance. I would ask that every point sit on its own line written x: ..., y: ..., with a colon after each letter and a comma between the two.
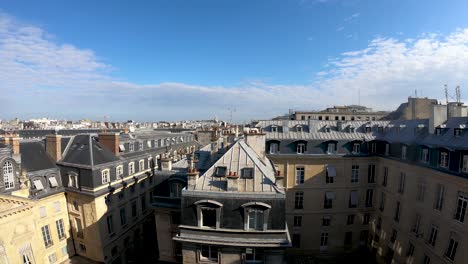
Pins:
x: 34, y: 157
x: 85, y: 150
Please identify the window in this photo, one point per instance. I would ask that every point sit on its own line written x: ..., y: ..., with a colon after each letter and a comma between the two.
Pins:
x: 425, y: 155
x: 110, y: 225
x: 64, y: 251
x: 60, y: 228
x: 397, y: 212
x: 427, y: 259
x: 274, y: 129
x: 123, y: 217
x: 57, y: 207
x: 141, y: 165
x: 410, y: 251
x: 131, y: 146
x: 385, y: 177
x: 331, y: 148
x: 439, y: 198
x: 356, y: 148
x: 131, y: 168
x: 119, y: 171
x: 300, y: 175
x: 299, y: 128
x: 176, y: 189
x: 371, y: 174
x: 444, y: 159
x: 369, y: 197
x: 401, y: 185
x: 52, y: 258
x: 366, y: 219
x: 140, y: 145
x: 330, y: 174
x: 150, y: 162
x: 297, y: 220
x: 247, y: 173
x: 394, y: 236
x: 300, y: 148
x: 46, y: 235
x: 465, y: 163
x: 208, y: 215
x: 403, y: 152
x: 461, y: 207
x: 417, y: 224
x: 299, y: 200
x: 433, y: 235
x: 323, y: 239
x: 209, y: 253
x: 274, y: 148
x: 353, y: 199
x: 143, y: 203
x: 327, y: 129
x: 328, y: 201
x: 326, y: 221
x: 134, y: 209
x: 355, y: 174
x: 105, y: 176
x: 221, y: 171
x: 73, y: 180
x: 373, y: 147
x: 387, y: 149
x: 79, y: 228
x: 382, y: 201
x: 255, y: 219
x: 451, y: 249
x: 350, y: 220
x: 253, y: 255
x: 348, y: 239
x: 296, y: 240
x: 421, y: 190
x: 38, y: 185
x: 53, y: 182
x: 8, y: 176
x: 42, y: 212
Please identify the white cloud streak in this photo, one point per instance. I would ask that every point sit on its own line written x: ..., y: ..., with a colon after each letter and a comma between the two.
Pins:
x: 39, y: 76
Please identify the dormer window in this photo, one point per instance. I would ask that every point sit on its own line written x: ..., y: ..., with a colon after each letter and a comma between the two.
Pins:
x: 8, y: 175
x: 380, y: 129
x: 140, y: 145
x: 331, y: 148
x: 256, y: 215
x: 373, y: 147
x: 457, y: 132
x: 38, y: 185
x: 368, y: 129
x: 356, y: 148
x: 131, y: 168
x: 438, y: 131
x: 425, y: 155
x: 444, y: 159
x: 327, y: 129
x: 351, y: 129
x: 121, y: 148
x: 300, y: 148
x: 141, y: 165
x: 150, y: 163
x: 208, y: 213
x: 274, y: 129
x: 299, y: 128
x: 387, y: 149
x: 221, y: 171
x: 247, y: 173
x: 131, y: 147
x: 53, y: 182
x: 105, y: 174
x: 274, y: 148
x: 465, y: 164
x: 403, y: 152
x: 148, y: 143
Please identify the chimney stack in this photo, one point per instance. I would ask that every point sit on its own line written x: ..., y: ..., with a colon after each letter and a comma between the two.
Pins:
x: 54, y: 146
x: 15, y: 144
x: 166, y: 164
x: 438, y: 116
x: 110, y: 141
x: 257, y: 142
x: 192, y: 178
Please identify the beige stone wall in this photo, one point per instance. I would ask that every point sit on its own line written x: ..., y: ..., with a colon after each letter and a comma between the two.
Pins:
x: 164, y: 230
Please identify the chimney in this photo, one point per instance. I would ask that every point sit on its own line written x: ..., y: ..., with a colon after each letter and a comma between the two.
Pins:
x: 54, y: 146
x: 438, y: 116
x: 110, y: 141
x: 257, y: 142
x: 166, y: 164
x: 15, y: 144
x: 192, y: 178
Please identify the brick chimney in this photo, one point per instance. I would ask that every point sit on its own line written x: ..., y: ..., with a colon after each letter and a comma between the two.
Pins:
x: 54, y: 146
x: 110, y: 141
x: 192, y: 178
x: 257, y: 142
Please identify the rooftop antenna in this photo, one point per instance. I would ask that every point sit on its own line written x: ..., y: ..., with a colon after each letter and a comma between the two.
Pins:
x: 231, y: 109
x: 446, y: 93
x: 458, y: 93
x: 416, y: 93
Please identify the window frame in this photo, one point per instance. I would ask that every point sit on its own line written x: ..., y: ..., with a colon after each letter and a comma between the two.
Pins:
x: 8, y: 175
x: 105, y: 176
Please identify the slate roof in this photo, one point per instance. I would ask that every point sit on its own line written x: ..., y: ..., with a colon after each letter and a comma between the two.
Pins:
x: 34, y: 157
x: 86, y: 150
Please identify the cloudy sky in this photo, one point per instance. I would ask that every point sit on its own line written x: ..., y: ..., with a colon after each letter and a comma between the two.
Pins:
x: 173, y: 60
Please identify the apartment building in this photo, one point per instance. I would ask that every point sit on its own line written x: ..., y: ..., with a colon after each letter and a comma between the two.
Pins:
x: 398, y: 187
x: 234, y: 211
x: 343, y: 113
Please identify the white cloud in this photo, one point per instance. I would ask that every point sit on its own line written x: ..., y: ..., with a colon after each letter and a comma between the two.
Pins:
x: 40, y: 76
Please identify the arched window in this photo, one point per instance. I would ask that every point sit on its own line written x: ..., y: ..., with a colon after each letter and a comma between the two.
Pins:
x: 8, y: 177
x: 256, y: 215
x: 209, y: 213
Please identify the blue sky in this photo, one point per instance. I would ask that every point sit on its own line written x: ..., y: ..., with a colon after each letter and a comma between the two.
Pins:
x: 172, y: 60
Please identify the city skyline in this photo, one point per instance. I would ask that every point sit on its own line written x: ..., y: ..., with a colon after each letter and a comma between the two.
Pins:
x: 175, y: 61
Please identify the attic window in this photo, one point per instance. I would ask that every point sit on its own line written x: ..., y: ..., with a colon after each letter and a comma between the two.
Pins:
x: 356, y: 148
x: 38, y: 185
x: 140, y: 145
x: 247, y: 173
x: 457, y: 132
x: 438, y: 131
x: 327, y: 129
x: 351, y: 129
x: 368, y: 129
x: 148, y: 143
x: 299, y: 128
x: 53, y: 182
x: 121, y: 148
x: 274, y: 129
x: 131, y: 147
x: 221, y: 171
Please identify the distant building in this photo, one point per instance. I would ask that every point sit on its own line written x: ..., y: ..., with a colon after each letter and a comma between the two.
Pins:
x: 343, y: 113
